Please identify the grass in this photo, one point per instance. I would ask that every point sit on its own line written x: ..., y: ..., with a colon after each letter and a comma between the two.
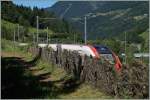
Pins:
x: 9, y: 48
x: 145, y: 36
x: 11, y: 26
x: 39, y: 79
x: 85, y: 91
x: 34, y: 30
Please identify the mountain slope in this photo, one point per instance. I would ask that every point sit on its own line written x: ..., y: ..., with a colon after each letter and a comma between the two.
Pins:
x: 105, y: 18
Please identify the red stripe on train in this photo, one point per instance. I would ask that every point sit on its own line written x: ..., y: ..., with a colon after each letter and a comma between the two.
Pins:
x: 94, y: 51
x: 118, y: 63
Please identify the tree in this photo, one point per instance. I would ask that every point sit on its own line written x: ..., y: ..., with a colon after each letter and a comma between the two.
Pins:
x: 23, y: 21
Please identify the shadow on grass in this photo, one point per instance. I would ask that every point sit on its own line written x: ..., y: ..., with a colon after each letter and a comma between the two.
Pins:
x: 17, y: 82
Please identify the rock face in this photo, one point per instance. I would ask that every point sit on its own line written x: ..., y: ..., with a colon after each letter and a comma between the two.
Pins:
x: 130, y: 82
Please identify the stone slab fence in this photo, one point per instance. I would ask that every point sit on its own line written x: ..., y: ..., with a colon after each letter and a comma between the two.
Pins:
x: 130, y: 82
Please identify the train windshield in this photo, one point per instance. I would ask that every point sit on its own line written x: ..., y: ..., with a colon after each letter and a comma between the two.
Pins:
x: 102, y: 50
x: 105, y: 53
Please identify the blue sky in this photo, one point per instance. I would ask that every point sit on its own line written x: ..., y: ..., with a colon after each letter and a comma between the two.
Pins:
x: 37, y: 3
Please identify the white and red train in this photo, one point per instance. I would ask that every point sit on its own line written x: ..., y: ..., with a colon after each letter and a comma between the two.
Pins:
x: 96, y: 51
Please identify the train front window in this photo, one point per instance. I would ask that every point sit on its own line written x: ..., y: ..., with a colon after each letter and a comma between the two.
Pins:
x: 102, y: 50
x: 105, y: 53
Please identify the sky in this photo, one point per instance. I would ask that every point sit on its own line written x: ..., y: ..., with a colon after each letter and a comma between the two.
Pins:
x: 35, y: 3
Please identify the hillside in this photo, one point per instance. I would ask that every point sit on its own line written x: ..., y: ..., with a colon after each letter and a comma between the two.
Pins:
x: 105, y: 18
x: 28, y: 17
x: 26, y: 33
x: 12, y: 15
